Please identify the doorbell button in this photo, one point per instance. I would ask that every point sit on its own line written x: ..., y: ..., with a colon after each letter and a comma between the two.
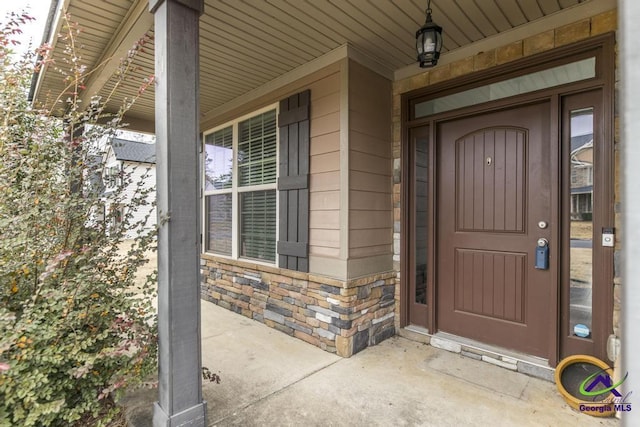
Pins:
x: 608, y: 238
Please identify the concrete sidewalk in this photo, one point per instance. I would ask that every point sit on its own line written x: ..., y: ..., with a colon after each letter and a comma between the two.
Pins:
x: 272, y: 379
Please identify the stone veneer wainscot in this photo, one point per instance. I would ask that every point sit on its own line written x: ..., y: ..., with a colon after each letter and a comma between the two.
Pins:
x: 342, y: 317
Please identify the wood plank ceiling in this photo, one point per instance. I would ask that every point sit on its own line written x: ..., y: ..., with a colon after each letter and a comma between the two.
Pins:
x: 247, y: 43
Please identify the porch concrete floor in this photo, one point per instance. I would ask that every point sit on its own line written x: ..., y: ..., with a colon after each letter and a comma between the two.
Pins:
x: 271, y: 379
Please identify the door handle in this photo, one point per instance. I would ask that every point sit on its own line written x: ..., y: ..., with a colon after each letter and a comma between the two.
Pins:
x: 542, y: 254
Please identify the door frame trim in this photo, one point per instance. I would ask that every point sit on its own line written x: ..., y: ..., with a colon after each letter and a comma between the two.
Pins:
x: 603, y: 216
x: 603, y: 48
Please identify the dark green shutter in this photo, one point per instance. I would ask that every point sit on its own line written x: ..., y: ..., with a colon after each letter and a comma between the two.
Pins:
x: 293, y: 182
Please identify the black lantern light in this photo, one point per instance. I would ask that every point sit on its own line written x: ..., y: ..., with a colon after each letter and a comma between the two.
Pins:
x: 429, y: 41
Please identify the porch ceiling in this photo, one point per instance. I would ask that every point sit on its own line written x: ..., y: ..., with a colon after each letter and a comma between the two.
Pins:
x: 245, y: 44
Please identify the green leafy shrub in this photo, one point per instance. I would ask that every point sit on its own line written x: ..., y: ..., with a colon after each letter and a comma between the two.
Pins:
x: 76, y: 327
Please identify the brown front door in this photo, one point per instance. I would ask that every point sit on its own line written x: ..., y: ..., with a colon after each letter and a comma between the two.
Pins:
x: 494, y: 201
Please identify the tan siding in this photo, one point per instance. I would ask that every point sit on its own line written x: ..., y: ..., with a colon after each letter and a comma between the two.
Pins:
x: 324, y: 180
x: 365, y: 162
x: 359, y: 142
x: 367, y: 200
x: 325, y: 105
x: 373, y: 237
x: 325, y: 124
x: 371, y: 125
x: 372, y: 182
x: 325, y: 200
x: 370, y: 165
x: 370, y: 251
x: 323, y: 219
x: 372, y: 97
x: 363, y: 220
x: 324, y: 252
x: 325, y: 143
x: 324, y: 87
x: 326, y: 238
x: 327, y: 162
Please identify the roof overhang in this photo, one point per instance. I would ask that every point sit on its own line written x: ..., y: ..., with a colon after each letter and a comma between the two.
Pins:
x: 248, y: 49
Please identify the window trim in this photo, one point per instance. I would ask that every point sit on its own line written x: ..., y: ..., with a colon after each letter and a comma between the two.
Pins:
x: 236, y: 189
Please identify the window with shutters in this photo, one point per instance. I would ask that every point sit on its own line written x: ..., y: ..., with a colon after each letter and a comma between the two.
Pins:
x: 240, y: 175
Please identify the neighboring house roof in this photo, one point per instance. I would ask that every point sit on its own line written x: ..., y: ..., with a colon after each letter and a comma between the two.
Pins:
x: 582, y: 150
x: 133, y: 151
x: 580, y: 141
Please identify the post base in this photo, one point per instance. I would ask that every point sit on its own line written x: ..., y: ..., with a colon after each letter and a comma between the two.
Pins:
x: 196, y: 416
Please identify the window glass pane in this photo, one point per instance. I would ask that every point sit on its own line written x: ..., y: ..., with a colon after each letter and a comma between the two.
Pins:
x: 257, y: 143
x: 581, y: 216
x: 218, y: 159
x: 219, y: 233
x: 258, y: 225
x: 556, y: 76
x: 421, y: 207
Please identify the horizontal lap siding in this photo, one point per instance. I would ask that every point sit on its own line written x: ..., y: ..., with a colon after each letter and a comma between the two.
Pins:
x: 370, y: 164
x: 146, y: 173
x: 324, y: 180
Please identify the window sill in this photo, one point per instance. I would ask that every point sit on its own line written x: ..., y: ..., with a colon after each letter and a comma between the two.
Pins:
x: 242, y: 262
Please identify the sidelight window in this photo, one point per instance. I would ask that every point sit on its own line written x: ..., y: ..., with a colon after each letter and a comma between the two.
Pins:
x: 581, y: 223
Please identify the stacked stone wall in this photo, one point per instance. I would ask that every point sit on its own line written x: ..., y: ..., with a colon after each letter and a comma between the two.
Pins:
x: 342, y: 317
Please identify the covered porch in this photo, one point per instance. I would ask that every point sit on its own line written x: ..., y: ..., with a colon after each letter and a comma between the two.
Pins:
x: 316, y: 239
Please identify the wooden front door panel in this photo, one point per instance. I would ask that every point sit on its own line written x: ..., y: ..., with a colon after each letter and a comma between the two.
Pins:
x: 493, y: 188
x: 490, y: 283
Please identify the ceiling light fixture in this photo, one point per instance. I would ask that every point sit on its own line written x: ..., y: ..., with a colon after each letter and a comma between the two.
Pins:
x: 429, y: 41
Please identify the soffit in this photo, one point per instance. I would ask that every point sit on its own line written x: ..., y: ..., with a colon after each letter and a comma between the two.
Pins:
x: 245, y: 44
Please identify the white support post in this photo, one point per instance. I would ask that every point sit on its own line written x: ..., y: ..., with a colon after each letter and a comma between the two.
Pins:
x: 629, y: 57
x: 177, y: 137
